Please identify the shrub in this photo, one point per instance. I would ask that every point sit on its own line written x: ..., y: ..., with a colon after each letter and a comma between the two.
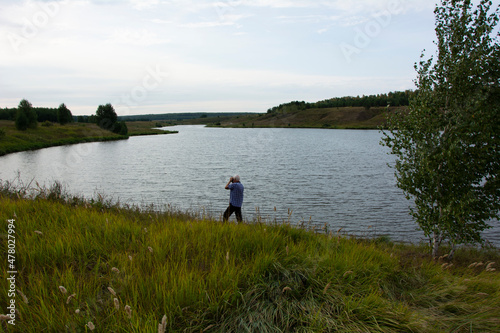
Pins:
x: 120, y: 128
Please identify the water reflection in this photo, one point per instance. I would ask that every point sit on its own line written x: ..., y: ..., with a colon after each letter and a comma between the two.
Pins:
x: 337, y: 177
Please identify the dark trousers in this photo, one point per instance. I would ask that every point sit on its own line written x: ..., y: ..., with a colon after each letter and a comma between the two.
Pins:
x: 232, y: 209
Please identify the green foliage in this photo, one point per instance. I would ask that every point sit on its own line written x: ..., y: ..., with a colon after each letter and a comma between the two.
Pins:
x: 447, y: 145
x: 43, y: 114
x: 64, y: 115
x: 46, y: 114
x: 55, y: 135
x: 179, y: 116
x: 21, y: 121
x: 121, y: 128
x: 106, y: 117
x: 26, y: 116
x: 8, y: 113
x: 397, y: 98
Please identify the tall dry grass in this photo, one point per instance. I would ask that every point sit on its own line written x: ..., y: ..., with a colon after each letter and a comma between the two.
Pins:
x: 89, y: 265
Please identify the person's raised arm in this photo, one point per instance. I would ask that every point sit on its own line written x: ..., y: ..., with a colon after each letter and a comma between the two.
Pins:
x: 229, y: 182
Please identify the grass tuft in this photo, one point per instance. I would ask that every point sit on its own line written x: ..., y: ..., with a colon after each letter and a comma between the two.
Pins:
x: 184, y: 274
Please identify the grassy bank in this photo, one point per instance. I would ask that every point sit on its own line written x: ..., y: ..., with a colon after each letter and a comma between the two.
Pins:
x: 339, y: 118
x: 12, y: 140
x: 124, y: 269
x: 137, y: 128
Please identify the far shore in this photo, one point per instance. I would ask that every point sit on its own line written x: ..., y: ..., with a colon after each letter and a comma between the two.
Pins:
x: 372, y: 118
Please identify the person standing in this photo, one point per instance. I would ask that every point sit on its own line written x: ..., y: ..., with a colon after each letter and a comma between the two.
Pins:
x: 235, y: 198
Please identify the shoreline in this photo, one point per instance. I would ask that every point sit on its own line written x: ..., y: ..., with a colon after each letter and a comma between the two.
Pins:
x: 316, y: 118
x: 55, y: 135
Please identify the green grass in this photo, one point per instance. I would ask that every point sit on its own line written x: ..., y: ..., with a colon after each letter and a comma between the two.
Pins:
x: 208, y: 276
x: 136, y: 128
x: 12, y: 140
x: 335, y: 118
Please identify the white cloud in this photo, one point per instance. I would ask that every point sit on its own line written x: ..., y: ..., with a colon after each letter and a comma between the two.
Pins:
x: 220, y: 54
x: 211, y: 24
x: 138, y: 37
x: 144, y: 4
x: 349, y: 21
x: 312, y: 18
x: 227, y: 20
x: 160, y: 21
x: 346, y: 6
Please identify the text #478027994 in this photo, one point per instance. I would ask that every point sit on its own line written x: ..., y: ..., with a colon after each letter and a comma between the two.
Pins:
x: 11, y: 272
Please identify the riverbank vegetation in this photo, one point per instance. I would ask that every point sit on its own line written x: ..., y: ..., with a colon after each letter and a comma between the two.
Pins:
x: 360, y: 112
x: 92, y: 264
x: 329, y: 118
x: 20, y: 130
x: 49, y: 134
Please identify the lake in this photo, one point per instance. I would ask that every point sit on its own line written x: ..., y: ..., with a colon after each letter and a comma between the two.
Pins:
x: 313, y: 176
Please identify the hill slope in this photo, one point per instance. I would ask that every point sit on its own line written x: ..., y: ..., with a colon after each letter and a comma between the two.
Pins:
x: 341, y: 117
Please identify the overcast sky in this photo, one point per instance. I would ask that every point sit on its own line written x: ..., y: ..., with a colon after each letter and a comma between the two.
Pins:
x: 160, y: 56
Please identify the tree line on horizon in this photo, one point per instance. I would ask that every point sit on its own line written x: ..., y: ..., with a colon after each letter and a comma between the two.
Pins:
x: 26, y: 116
x: 42, y: 114
x: 396, y: 98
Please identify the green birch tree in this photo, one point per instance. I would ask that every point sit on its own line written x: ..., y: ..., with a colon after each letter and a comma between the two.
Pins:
x: 447, y: 143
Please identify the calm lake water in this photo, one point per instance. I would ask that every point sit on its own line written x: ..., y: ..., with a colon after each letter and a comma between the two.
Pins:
x: 314, y: 176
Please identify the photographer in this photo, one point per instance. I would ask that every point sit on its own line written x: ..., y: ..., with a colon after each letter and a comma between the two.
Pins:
x: 235, y: 198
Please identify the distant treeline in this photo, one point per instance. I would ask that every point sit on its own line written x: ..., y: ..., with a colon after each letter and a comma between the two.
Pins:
x: 50, y: 114
x: 397, y: 98
x: 179, y: 116
x: 43, y: 114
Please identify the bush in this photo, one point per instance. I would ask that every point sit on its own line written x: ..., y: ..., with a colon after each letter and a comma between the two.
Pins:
x: 21, y: 121
x: 120, y: 128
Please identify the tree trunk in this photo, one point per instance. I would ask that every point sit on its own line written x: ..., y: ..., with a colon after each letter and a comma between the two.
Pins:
x: 452, y: 252
x: 436, y: 241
